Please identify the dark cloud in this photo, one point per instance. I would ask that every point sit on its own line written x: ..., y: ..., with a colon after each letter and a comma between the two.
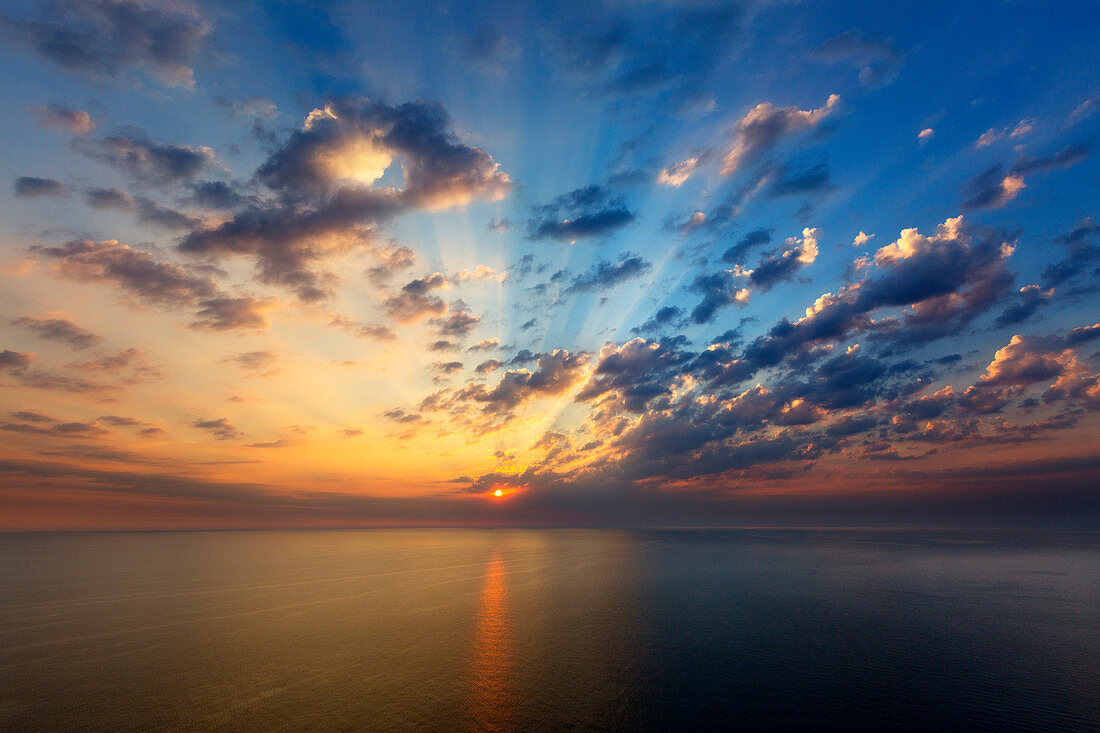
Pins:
x: 1081, y: 253
x: 606, y: 275
x: 58, y: 429
x: 456, y: 323
x: 669, y: 315
x: 135, y: 271
x: 221, y: 428
x: 15, y: 359
x: 1028, y: 301
x: 105, y: 37
x: 994, y: 187
x: 327, y: 203
x: 878, y: 60
x: 59, y: 329
x: 232, y: 313
x: 415, y: 299
x: 582, y: 213
x: 216, y: 195
x: 795, y: 183
x: 31, y: 187
x: 110, y: 199
x: 147, y: 210
x: 947, y: 280
x: 147, y: 161
x: 737, y: 254
x: 798, y: 253
x: 718, y: 290
x: 443, y: 345
x: 635, y: 373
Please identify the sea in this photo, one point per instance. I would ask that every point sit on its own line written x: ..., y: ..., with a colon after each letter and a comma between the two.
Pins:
x: 548, y: 630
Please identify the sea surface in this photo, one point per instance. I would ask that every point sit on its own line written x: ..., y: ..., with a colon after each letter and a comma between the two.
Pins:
x: 551, y: 630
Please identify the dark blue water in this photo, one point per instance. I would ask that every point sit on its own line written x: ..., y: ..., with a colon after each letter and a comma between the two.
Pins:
x: 501, y: 630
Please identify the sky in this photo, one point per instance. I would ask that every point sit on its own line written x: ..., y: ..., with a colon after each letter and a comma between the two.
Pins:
x: 610, y: 263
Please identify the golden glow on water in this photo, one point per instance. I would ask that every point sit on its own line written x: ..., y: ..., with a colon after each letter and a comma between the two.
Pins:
x: 492, y: 656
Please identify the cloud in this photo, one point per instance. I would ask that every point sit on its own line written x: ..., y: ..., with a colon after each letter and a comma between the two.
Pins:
x: 799, y: 253
x: 488, y: 366
x: 765, y: 126
x: 147, y: 161
x: 216, y: 195
x: 147, y: 210
x: 878, y: 60
x: 486, y: 345
x: 65, y: 119
x: 221, y: 428
x: 59, y: 329
x: 135, y: 271
x: 946, y: 280
x: 634, y: 373
x: 676, y: 175
x: 719, y: 289
x: 415, y: 299
x: 254, y: 361
x: 233, y: 313
x: 1028, y: 301
x: 31, y: 187
x: 993, y: 187
x: 736, y: 254
x: 792, y: 183
x: 1080, y: 254
x: 457, y: 323
x: 993, y: 135
x: 105, y: 37
x: 328, y: 201
x: 15, y: 359
x: 364, y: 330
x: 606, y: 275
x: 925, y: 135
x: 591, y: 211
x: 58, y: 429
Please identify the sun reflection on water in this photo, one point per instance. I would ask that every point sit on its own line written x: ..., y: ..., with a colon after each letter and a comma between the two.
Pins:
x: 492, y: 654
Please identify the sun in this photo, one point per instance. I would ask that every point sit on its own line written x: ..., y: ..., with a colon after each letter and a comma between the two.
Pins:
x: 498, y: 492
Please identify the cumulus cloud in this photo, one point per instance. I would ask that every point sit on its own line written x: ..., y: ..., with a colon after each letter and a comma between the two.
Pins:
x: 797, y: 253
x: 326, y: 178
x: 1028, y: 301
x: 106, y: 37
x: 765, y: 126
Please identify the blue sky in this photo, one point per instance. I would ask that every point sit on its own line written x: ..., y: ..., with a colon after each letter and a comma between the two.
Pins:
x: 388, y: 258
